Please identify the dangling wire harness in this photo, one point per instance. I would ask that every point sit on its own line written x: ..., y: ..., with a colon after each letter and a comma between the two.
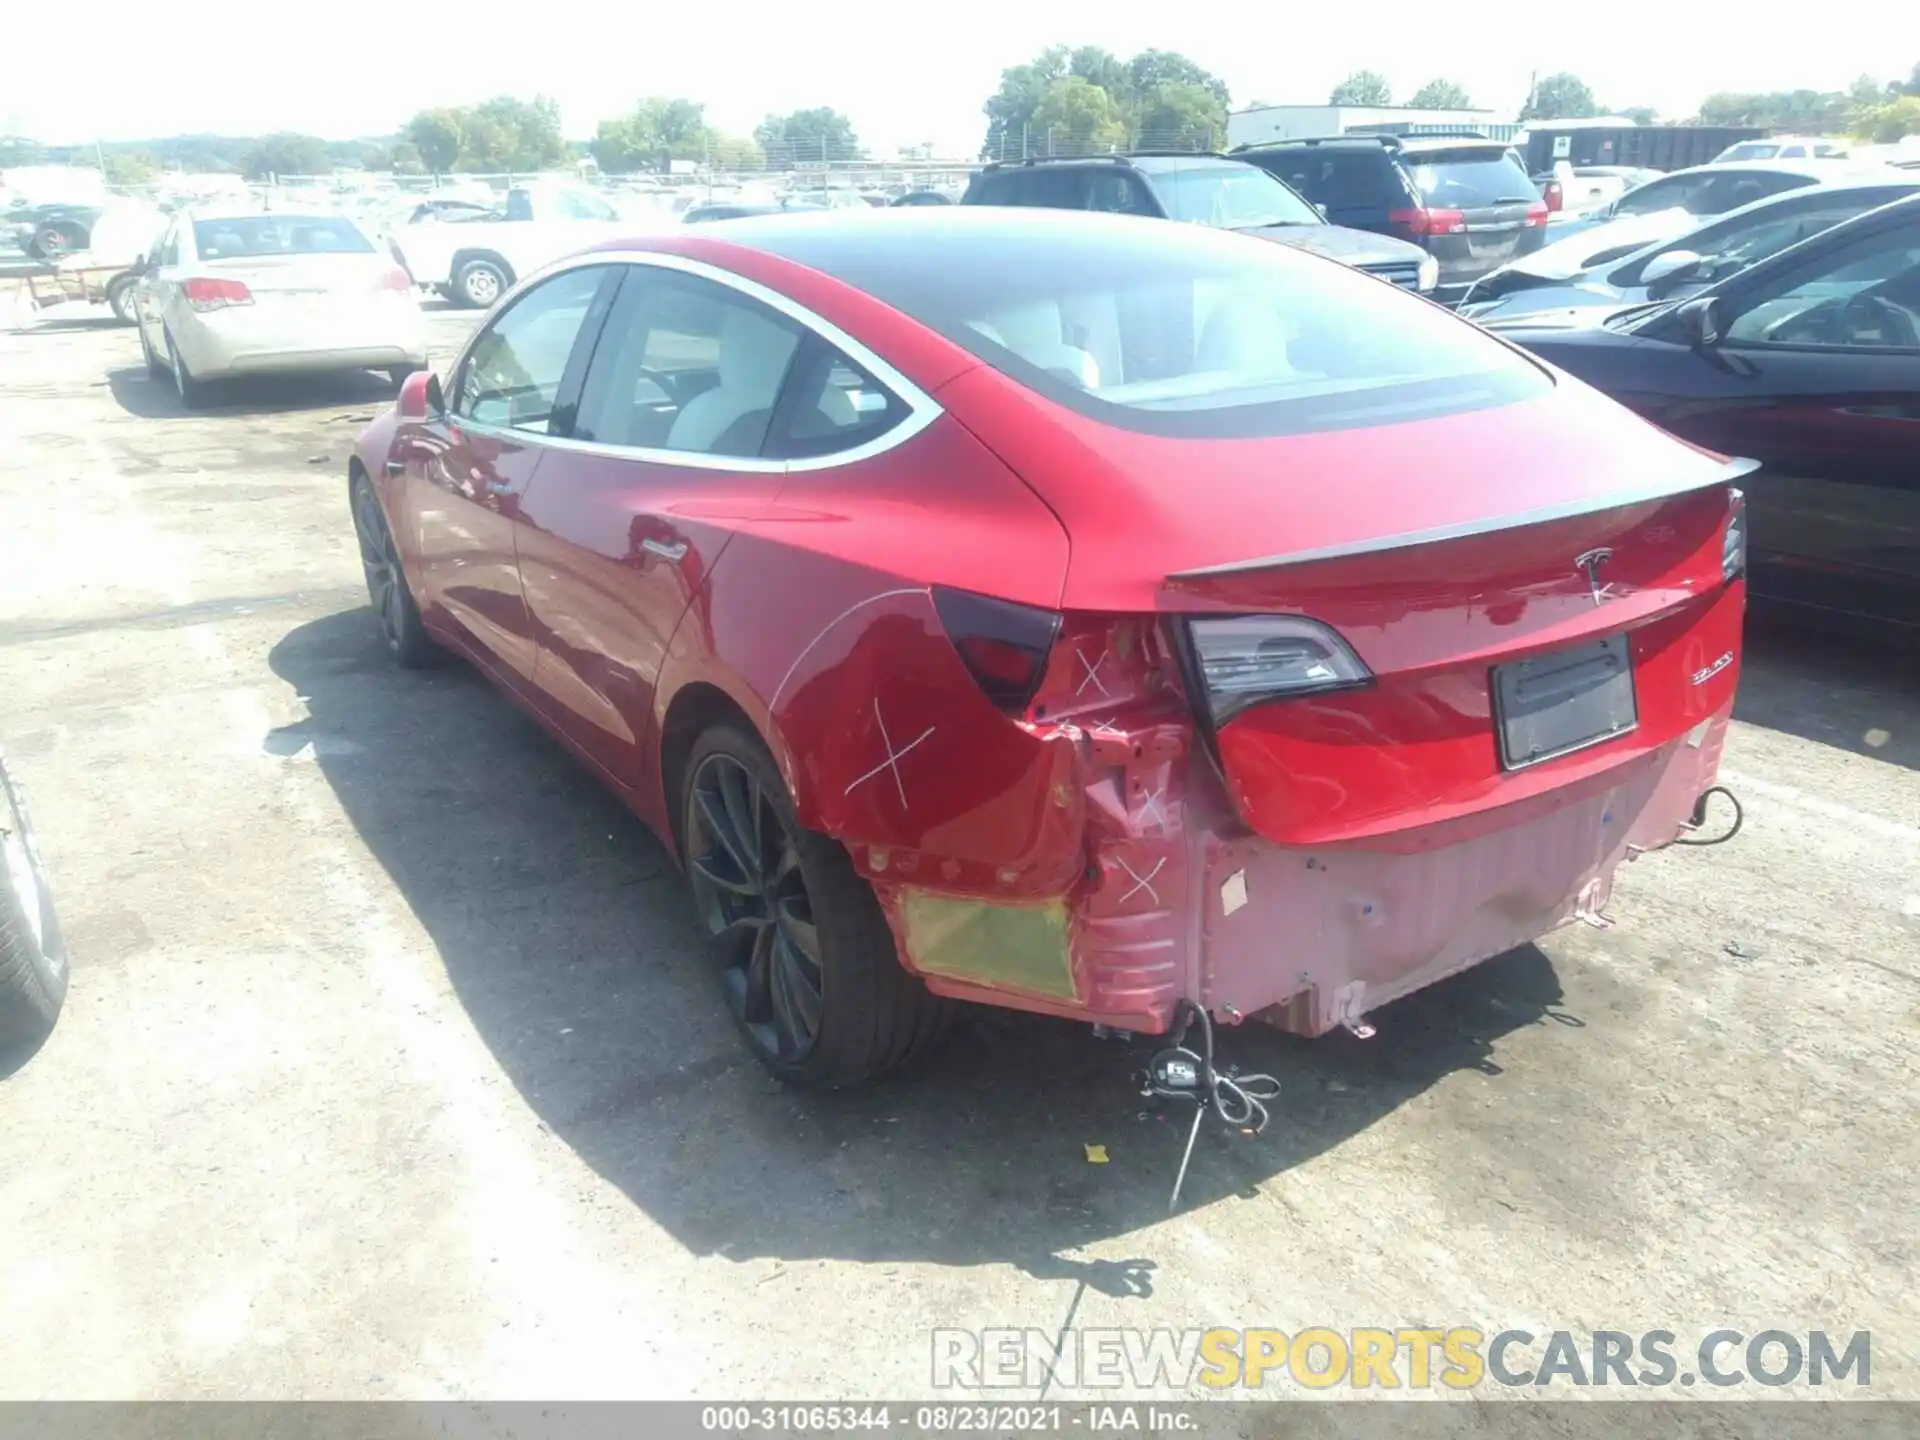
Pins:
x: 1178, y: 1073
x: 1699, y: 817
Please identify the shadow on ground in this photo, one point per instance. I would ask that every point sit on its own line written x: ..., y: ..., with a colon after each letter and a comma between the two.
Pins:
x: 567, y: 933
x: 1852, y: 694
x: 142, y: 395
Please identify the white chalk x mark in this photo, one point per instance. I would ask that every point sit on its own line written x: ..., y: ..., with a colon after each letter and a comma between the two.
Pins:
x: 892, y: 762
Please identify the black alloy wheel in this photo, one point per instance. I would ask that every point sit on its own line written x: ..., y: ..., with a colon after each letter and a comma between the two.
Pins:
x: 752, y: 893
x: 393, y: 607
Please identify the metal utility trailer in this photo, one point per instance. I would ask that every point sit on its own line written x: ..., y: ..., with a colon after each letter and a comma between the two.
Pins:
x: 95, y: 284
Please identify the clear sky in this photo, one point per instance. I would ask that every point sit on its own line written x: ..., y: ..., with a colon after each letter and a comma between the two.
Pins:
x: 905, y: 73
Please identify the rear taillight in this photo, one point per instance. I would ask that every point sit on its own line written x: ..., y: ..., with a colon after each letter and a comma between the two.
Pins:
x: 206, y: 295
x: 1733, y: 540
x: 1537, y: 212
x: 394, y: 278
x: 1003, y: 645
x: 1247, y: 659
x: 1429, y: 221
x: 1554, y: 196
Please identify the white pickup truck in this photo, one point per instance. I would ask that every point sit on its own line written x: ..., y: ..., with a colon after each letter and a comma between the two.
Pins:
x: 473, y: 261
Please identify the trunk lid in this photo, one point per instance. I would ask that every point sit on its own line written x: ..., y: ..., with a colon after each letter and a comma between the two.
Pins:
x: 304, y: 277
x: 1438, y: 551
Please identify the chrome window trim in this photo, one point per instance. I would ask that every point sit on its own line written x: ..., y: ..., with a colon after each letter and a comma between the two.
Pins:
x: 922, y: 409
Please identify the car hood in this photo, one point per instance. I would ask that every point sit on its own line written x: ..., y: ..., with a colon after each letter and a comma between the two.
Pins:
x: 1558, y: 319
x: 1524, y: 306
x: 1564, y: 259
x: 1336, y: 242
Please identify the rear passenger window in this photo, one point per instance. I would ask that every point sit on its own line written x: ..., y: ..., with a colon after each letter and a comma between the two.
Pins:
x: 1120, y: 192
x: 1342, y: 180
x: 1051, y: 187
x: 831, y: 405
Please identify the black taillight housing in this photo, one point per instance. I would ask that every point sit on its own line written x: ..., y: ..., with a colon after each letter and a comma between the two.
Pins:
x: 1003, y: 645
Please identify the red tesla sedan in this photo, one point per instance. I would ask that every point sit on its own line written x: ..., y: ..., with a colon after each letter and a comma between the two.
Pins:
x: 1073, y: 612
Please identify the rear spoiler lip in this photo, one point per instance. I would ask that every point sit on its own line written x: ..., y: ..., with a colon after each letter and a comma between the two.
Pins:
x: 1730, y: 471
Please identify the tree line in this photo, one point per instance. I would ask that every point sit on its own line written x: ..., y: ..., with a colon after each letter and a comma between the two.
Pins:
x: 1068, y: 100
x: 500, y: 135
x: 1868, y: 109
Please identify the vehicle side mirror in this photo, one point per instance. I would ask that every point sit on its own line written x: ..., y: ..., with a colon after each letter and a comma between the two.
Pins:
x: 1675, y: 264
x: 1700, y: 322
x: 420, y: 396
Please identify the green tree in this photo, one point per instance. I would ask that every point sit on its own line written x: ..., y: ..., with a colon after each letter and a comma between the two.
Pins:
x: 1798, y: 112
x: 129, y: 167
x: 1180, y: 116
x: 1642, y: 114
x: 1099, y: 67
x: 1077, y: 117
x: 1135, y: 88
x: 507, y: 133
x: 285, y: 153
x: 1441, y: 95
x: 658, y: 128
x: 1895, y: 120
x: 437, y: 135
x: 1151, y: 69
x: 405, y: 158
x: 1363, y: 87
x: 807, y: 136
x: 1560, y: 97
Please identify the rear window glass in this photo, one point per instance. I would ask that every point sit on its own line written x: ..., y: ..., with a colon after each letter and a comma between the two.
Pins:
x: 1184, y: 330
x: 1233, y: 197
x: 1471, y: 179
x: 246, y: 236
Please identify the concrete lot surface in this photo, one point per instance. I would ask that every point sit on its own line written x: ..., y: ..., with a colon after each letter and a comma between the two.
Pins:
x: 392, y: 1066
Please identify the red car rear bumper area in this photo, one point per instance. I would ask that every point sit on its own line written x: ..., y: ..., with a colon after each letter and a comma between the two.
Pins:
x: 1180, y: 901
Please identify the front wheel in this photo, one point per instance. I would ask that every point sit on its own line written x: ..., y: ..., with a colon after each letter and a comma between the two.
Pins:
x: 394, y: 610
x: 33, y: 962
x: 808, y: 964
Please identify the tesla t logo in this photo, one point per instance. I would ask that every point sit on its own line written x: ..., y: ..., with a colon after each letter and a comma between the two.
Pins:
x: 1589, y: 565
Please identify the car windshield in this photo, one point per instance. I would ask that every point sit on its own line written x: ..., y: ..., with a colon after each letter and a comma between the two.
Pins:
x: 1230, y: 196
x: 1751, y: 150
x: 243, y: 237
x: 1185, y: 331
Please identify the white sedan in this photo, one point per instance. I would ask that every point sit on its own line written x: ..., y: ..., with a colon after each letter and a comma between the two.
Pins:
x: 229, y: 293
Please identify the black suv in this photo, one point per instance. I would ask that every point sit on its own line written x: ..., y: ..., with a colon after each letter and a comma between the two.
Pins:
x: 1206, y: 189
x: 1466, y: 202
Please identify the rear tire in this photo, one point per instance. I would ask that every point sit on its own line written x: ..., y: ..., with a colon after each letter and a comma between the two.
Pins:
x: 809, y: 965
x: 478, y: 283
x: 190, y: 388
x: 33, y: 961
x: 155, y: 370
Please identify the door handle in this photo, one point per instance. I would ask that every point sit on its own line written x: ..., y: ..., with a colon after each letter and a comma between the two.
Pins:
x: 665, y: 551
